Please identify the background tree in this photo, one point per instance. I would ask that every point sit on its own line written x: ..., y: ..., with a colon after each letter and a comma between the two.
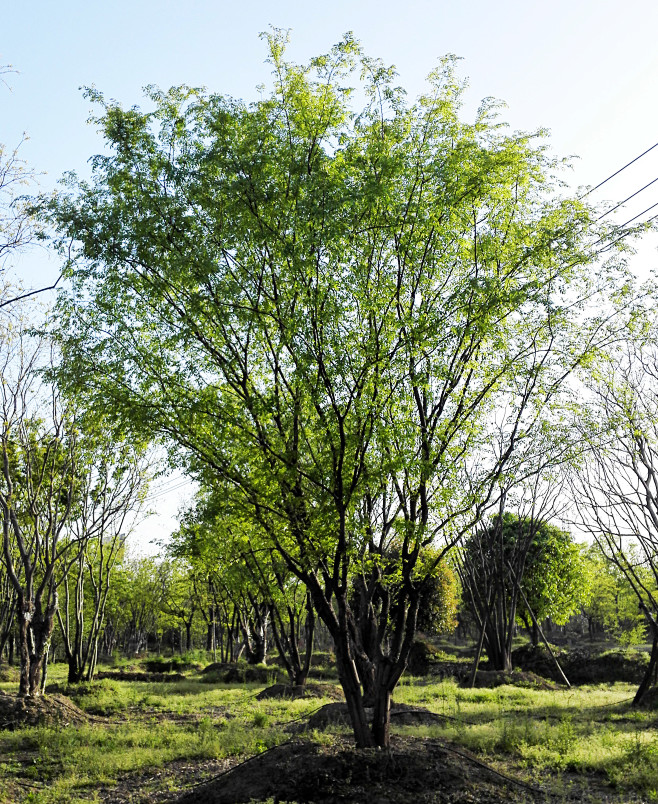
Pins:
x: 109, y: 496
x: 326, y: 305
x: 616, y: 487
x: 611, y: 607
x: 134, y: 610
x: 39, y: 455
x: 520, y: 569
x: 19, y: 227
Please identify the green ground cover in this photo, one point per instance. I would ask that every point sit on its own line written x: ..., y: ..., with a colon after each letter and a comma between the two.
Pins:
x: 141, y: 733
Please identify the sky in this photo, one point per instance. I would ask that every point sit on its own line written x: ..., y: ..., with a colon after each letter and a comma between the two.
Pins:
x: 587, y: 70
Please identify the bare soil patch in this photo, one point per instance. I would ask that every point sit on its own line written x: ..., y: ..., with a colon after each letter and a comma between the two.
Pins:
x: 401, y: 715
x: 310, y: 690
x: 582, y: 665
x: 124, y: 675
x: 17, y: 712
x: 231, y: 673
x: 412, y: 772
x: 496, y: 678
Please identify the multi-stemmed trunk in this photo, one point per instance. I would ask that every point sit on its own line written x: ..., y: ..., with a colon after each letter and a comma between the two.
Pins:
x: 35, y: 627
x: 287, y: 639
x: 253, y: 624
x: 369, y: 660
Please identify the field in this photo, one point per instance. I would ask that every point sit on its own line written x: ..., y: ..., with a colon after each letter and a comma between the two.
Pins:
x: 155, y: 741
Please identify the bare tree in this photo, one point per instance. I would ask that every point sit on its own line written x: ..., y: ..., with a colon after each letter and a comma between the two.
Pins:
x: 109, y: 496
x: 18, y: 225
x: 37, y: 487
x: 616, y: 489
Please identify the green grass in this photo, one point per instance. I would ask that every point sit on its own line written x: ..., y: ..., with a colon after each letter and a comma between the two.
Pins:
x: 149, y: 725
x: 586, y: 733
x: 589, y: 730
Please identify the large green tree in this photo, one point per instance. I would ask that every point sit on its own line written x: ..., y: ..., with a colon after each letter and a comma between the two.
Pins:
x: 321, y: 306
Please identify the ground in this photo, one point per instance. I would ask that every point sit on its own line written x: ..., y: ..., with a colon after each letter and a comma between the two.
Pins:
x: 127, y: 740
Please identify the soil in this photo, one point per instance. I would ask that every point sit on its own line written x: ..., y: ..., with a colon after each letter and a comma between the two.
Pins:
x: 17, y: 712
x: 517, y: 678
x: 401, y: 715
x: 309, y: 690
x: 413, y: 771
x: 239, y: 674
x: 169, y: 666
x: 582, y: 665
x: 124, y: 675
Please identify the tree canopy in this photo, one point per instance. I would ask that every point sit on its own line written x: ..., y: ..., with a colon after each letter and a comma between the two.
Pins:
x: 348, y: 317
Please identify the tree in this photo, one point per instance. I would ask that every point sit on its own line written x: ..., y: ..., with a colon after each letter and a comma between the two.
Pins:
x: 39, y: 455
x: 520, y: 569
x: 611, y: 606
x: 439, y: 600
x: 615, y: 487
x: 255, y: 577
x: 134, y: 611
x: 109, y: 496
x: 322, y: 307
x: 18, y: 226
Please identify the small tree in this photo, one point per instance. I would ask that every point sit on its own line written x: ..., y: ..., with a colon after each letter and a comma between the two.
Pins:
x: 616, y: 486
x: 40, y: 460
x: 517, y: 568
x: 108, y: 500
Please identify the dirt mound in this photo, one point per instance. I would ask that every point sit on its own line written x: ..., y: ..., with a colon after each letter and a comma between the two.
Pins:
x: 425, y: 659
x: 46, y: 710
x: 310, y: 690
x: 401, y: 714
x: 169, y: 665
x: 9, y: 673
x: 221, y: 673
x: 412, y: 772
x: 583, y: 666
x: 496, y: 678
x: 123, y: 675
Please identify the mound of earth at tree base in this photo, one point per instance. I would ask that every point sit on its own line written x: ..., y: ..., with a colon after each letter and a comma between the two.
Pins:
x: 231, y: 673
x: 413, y: 771
x: 401, y: 714
x: 309, y: 690
x: 169, y: 665
x: 17, y: 712
x: 489, y: 679
x: 9, y: 673
x: 123, y: 675
x: 583, y: 666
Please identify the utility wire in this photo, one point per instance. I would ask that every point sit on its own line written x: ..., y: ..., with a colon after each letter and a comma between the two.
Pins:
x: 639, y: 215
x: 167, y: 491
x: 621, y: 203
x: 600, y: 184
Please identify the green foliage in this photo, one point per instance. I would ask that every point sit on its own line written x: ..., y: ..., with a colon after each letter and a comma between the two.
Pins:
x: 612, y: 604
x: 439, y: 601
x: 554, y: 577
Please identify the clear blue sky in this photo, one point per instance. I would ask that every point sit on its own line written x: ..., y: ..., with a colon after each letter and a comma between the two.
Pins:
x: 585, y: 69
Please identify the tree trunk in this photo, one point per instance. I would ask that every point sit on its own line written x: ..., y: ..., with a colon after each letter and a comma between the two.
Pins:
x: 350, y: 683
x: 24, y: 620
x: 645, y: 684
x: 381, y: 717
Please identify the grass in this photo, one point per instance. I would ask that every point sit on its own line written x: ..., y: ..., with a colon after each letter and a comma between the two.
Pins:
x: 584, y: 734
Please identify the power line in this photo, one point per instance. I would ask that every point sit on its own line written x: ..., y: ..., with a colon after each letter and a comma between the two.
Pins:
x: 168, y: 491
x: 621, y: 203
x: 600, y: 184
x: 639, y: 215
